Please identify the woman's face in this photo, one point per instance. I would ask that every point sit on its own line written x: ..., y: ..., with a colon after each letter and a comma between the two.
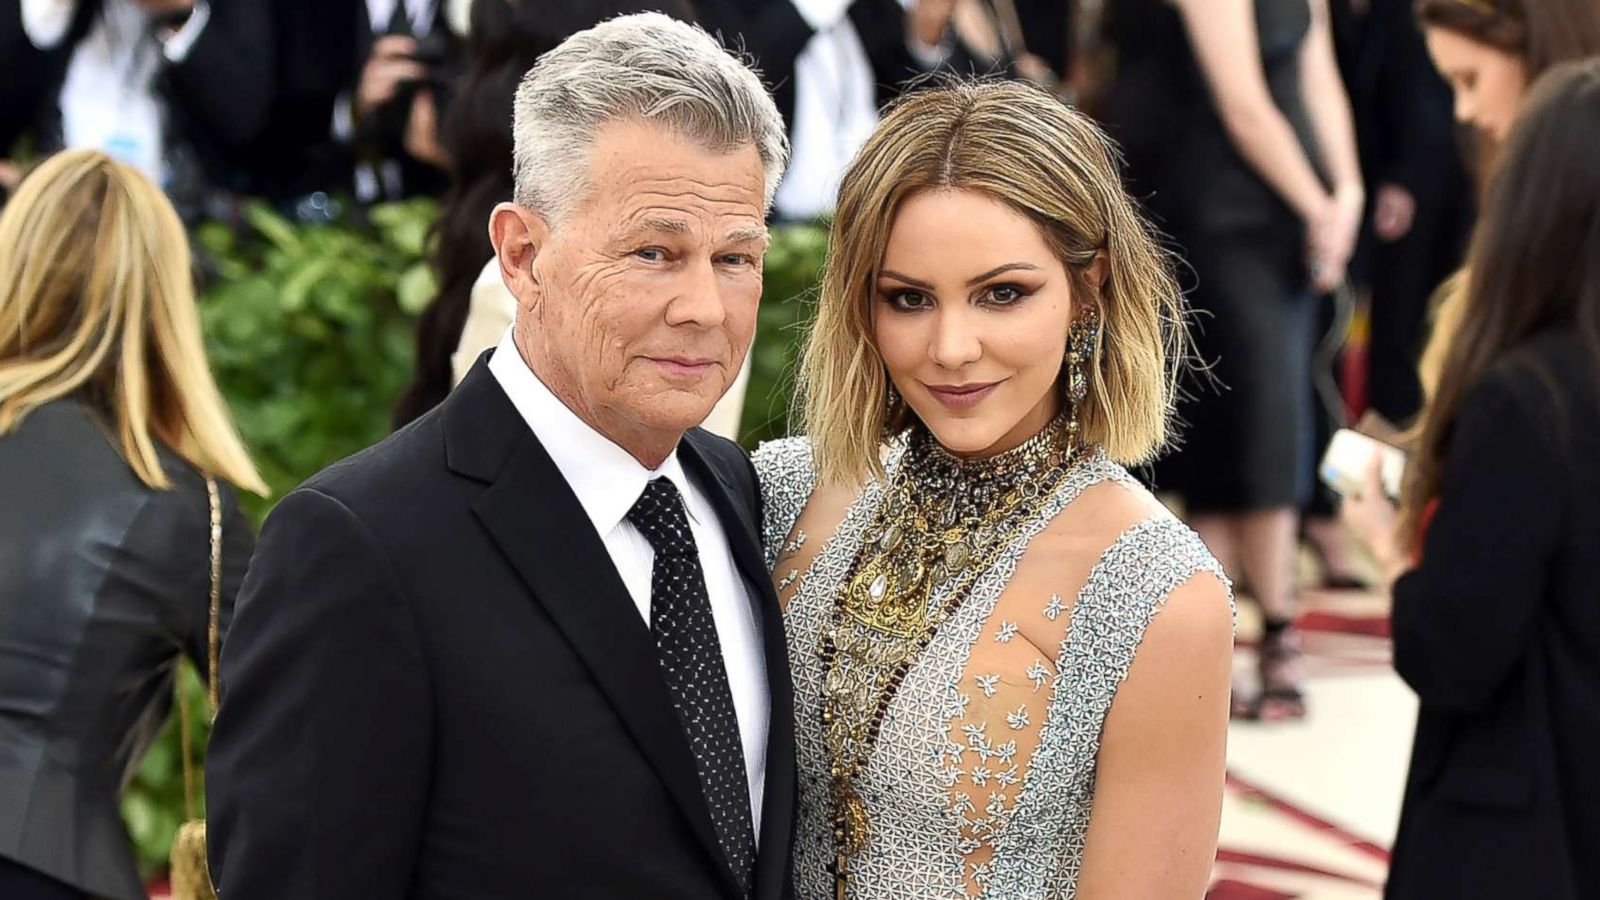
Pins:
x: 970, y: 313
x: 1489, y: 83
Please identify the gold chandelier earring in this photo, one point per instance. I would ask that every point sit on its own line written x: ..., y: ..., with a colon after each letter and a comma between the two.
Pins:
x: 1081, y: 341
x: 891, y: 407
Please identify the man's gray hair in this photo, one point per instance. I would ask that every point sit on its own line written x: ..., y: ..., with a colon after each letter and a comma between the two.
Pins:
x: 644, y: 67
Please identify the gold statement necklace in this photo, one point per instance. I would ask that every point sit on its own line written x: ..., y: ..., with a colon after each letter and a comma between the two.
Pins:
x: 943, y: 522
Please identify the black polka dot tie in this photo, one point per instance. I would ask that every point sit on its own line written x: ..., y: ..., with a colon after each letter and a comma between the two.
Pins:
x: 691, y: 660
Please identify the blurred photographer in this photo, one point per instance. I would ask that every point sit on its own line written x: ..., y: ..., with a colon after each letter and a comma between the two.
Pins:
x: 362, y: 87
x: 395, y: 106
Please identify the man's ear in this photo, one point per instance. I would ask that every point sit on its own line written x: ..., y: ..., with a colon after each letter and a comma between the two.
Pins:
x: 518, y: 234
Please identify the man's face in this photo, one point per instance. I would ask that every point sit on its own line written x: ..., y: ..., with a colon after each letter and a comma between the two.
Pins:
x: 641, y: 302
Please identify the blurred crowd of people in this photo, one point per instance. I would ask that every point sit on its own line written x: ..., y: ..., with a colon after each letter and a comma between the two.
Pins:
x: 1289, y: 151
x: 314, y: 104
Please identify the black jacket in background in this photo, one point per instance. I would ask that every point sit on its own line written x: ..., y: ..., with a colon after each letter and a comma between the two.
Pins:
x: 1498, y: 632
x: 438, y: 687
x: 216, y: 100
x: 104, y: 583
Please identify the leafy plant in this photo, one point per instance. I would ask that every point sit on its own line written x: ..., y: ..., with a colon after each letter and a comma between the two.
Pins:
x: 792, y: 268
x: 310, y: 330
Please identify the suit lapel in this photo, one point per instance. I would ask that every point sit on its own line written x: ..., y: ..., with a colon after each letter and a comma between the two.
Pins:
x: 778, y: 803
x: 538, y: 523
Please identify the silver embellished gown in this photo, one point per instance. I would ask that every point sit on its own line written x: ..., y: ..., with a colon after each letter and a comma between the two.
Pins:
x: 983, y: 775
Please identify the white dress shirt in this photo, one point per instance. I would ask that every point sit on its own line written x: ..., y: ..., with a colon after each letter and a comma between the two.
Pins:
x: 420, y: 12
x: 108, y: 98
x: 835, y: 110
x: 835, y: 106
x: 608, y: 481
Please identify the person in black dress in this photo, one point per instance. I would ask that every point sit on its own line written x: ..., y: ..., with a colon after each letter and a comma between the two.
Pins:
x: 1492, y: 553
x: 1238, y: 135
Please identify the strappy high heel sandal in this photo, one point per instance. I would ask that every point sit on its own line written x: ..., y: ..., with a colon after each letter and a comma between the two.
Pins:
x: 1283, y: 673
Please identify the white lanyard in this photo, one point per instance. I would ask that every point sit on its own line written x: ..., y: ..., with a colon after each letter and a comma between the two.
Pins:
x: 108, y: 100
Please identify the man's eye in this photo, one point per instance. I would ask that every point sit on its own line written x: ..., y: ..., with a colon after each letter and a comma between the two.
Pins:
x: 651, y: 254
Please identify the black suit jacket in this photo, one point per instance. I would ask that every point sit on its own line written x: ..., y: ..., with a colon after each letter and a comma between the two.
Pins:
x: 1498, y: 632
x: 437, y: 686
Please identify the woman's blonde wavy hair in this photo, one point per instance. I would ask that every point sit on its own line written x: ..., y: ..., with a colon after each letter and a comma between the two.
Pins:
x: 1025, y: 148
x: 97, y: 302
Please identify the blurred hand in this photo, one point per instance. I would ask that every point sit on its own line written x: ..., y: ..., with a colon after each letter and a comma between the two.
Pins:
x: 1331, y: 238
x: 1393, y: 211
x: 10, y: 175
x: 929, y: 19
x: 389, y: 66
x: 166, y: 7
x: 1373, y: 519
x: 1033, y: 68
x: 422, y: 131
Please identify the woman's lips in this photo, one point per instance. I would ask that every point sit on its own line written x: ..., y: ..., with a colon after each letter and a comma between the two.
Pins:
x: 962, y: 397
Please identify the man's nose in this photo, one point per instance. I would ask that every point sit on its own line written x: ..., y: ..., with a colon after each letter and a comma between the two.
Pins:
x: 699, y: 300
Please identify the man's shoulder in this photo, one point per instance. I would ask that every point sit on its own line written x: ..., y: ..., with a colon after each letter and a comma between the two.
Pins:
x: 727, y: 459
x: 400, y: 463
x: 718, y: 450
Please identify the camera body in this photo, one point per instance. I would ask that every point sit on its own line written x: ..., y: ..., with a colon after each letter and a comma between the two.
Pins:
x: 384, y: 131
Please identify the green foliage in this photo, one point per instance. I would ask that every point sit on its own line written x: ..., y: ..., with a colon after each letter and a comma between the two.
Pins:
x: 153, y: 806
x: 310, y: 331
x: 792, y: 269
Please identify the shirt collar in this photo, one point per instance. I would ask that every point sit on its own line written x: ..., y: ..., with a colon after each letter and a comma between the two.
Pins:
x: 606, y: 478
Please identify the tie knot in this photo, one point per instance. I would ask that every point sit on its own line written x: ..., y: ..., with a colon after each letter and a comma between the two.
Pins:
x: 659, y: 516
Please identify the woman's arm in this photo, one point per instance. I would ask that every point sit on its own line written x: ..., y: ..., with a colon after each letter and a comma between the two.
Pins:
x: 1223, y: 35
x: 1327, y: 102
x: 1334, y: 239
x: 1158, y: 789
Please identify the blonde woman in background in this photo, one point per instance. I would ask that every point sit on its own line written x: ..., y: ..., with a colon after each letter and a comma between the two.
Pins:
x: 110, y: 423
x: 1010, y: 662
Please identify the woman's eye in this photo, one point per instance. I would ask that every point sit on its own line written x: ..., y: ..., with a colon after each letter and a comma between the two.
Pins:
x: 909, y: 300
x: 1004, y: 295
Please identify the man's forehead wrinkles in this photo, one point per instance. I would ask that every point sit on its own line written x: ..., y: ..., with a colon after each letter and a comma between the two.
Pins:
x: 742, y: 223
